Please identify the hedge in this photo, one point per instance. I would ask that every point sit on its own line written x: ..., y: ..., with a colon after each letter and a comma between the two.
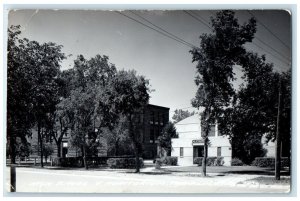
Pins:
x: 123, y: 163
x: 68, y: 162
x: 211, y: 161
x: 78, y: 161
x: 170, y: 160
x: 236, y: 162
x: 270, y: 162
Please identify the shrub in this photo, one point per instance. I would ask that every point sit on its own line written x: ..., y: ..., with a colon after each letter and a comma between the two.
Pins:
x: 158, y: 163
x: 236, y: 162
x: 198, y: 161
x: 68, y: 162
x: 211, y: 161
x: 270, y: 162
x: 170, y: 160
x: 123, y: 163
x: 219, y: 161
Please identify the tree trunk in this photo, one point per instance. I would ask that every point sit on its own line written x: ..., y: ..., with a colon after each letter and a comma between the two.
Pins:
x: 41, y: 143
x: 117, y: 148
x: 58, y: 148
x: 137, y: 158
x: 12, y: 149
x: 204, y: 161
x: 84, y: 158
x: 135, y: 146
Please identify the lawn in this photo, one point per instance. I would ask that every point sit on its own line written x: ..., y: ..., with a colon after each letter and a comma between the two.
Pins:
x: 225, y: 170
x: 270, y: 180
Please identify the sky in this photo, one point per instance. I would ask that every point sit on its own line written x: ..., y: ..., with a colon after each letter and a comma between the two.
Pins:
x: 167, y: 63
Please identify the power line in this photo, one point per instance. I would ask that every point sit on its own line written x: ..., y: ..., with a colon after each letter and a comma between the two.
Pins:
x: 204, y: 21
x: 196, y: 18
x: 271, y: 54
x: 268, y: 30
x: 153, y: 29
x: 268, y: 51
x: 272, y: 48
x: 163, y: 29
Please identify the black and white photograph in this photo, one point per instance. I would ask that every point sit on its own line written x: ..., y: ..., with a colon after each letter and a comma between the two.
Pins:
x: 140, y: 101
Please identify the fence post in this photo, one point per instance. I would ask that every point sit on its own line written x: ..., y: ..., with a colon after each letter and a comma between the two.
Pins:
x: 19, y: 160
x: 25, y: 159
x: 51, y: 161
x: 34, y: 161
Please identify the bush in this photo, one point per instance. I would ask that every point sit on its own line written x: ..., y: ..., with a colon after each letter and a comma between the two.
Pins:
x: 211, y: 161
x: 236, y: 162
x: 68, y: 162
x: 198, y: 161
x: 170, y: 160
x: 270, y: 162
x: 123, y: 163
x: 219, y: 161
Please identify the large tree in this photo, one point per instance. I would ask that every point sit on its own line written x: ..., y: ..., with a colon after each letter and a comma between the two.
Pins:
x: 130, y: 96
x: 32, y: 87
x: 216, y: 56
x: 86, y: 106
x: 19, y: 83
x: 254, y: 111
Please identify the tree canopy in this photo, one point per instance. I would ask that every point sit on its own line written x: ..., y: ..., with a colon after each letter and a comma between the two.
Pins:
x: 216, y: 56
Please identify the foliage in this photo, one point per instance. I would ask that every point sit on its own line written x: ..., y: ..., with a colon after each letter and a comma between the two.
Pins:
x: 48, y: 150
x: 31, y: 84
x: 217, y: 54
x: 118, y: 141
x: 165, y: 139
x: 170, y: 160
x: 22, y: 148
x: 253, y: 113
x: 78, y: 161
x: 130, y: 94
x: 236, y: 162
x: 211, y: 161
x: 68, y: 162
x: 198, y: 160
x: 180, y: 114
x: 86, y: 102
x: 124, y: 163
x: 270, y: 162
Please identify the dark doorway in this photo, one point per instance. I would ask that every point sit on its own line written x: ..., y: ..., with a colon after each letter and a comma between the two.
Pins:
x: 65, y: 149
x: 64, y: 152
x: 198, y: 151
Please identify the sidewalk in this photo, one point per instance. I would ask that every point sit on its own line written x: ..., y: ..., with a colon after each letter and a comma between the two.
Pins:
x: 223, y: 179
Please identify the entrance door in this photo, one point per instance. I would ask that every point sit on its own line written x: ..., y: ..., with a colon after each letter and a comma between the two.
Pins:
x: 198, y: 151
x: 64, y: 152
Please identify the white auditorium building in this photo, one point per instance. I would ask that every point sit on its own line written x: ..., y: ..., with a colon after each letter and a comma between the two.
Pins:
x: 189, y: 143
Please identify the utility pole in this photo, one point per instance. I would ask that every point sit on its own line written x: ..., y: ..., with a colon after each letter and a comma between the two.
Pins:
x: 278, y: 135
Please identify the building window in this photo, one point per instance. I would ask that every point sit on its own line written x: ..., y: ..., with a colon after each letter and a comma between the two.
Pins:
x: 65, y: 144
x: 151, y: 135
x: 219, y: 151
x: 152, y: 118
x: 181, y: 151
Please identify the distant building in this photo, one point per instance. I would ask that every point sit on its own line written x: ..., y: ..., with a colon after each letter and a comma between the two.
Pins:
x: 151, y: 121
x: 155, y: 118
x: 189, y: 143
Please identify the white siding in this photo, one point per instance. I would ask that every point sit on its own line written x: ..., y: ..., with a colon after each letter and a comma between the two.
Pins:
x: 188, y: 130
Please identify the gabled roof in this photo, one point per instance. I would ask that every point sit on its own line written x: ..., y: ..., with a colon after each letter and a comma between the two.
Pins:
x: 195, y: 119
